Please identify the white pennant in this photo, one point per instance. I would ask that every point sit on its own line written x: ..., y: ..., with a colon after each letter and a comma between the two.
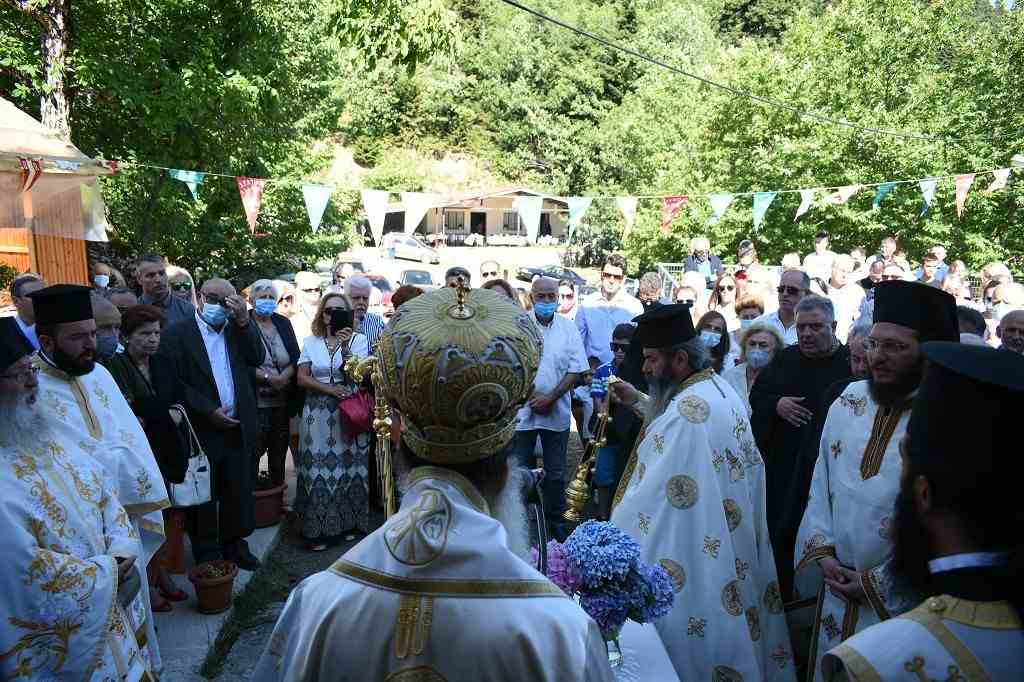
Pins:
x: 416, y: 206
x: 94, y: 213
x: 999, y: 180
x: 842, y: 195
x: 806, y: 201
x: 316, y: 198
x: 375, y: 203
x: 628, y: 207
x: 529, y: 210
x: 577, y: 207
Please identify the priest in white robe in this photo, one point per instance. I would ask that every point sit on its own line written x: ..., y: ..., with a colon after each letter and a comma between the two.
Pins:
x: 845, y: 537
x: 84, y: 409
x: 693, y: 495
x: 958, y: 544
x: 441, y: 591
x: 68, y: 545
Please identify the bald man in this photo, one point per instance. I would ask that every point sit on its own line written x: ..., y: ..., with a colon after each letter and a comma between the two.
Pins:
x: 211, y: 355
x: 1011, y: 331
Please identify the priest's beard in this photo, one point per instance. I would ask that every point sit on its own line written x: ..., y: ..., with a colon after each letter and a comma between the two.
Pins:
x: 23, y: 423
x: 911, y: 548
x: 75, y: 366
x: 663, y: 389
x: 509, y: 509
x: 894, y: 394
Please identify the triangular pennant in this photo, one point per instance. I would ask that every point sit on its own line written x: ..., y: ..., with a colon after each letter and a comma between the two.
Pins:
x: 94, y: 213
x: 529, y: 210
x: 842, y: 195
x: 31, y: 171
x: 416, y: 206
x: 719, y: 204
x: 628, y: 207
x: 316, y: 198
x: 963, y: 186
x: 928, y: 192
x: 806, y: 201
x: 880, y: 193
x: 577, y: 208
x: 1017, y: 161
x: 999, y: 179
x: 762, y: 200
x: 375, y: 204
x: 251, y: 191
x: 670, y: 207
x: 191, y: 178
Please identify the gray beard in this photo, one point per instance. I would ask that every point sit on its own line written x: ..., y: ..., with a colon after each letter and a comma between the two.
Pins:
x: 509, y: 509
x: 24, y: 424
x: 661, y: 395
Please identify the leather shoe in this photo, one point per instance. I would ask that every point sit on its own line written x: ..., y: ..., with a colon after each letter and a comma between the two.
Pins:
x: 243, y: 558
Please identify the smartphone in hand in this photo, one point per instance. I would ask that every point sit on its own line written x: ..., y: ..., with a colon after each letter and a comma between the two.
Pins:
x: 340, y: 319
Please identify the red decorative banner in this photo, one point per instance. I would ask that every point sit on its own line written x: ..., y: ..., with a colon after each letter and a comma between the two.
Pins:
x: 963, y: 186
x: 251, y: 190
x: 31, y: 171
x: 670, y: 208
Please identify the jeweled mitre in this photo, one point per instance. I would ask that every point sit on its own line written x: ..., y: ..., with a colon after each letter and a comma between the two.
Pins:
x: 459, y: 364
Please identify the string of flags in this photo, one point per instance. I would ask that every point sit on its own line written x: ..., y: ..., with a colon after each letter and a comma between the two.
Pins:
x: 416, y: 204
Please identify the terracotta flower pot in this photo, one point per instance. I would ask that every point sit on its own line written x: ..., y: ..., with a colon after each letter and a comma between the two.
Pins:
x: 213, y: 591
x: 267, y: 505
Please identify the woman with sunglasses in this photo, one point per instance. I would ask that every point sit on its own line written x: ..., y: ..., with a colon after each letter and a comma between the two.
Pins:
x: 723, y: 300
x: 181, y: 283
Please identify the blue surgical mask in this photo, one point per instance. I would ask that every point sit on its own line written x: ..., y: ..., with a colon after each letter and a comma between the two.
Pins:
x: 710, y: 338
x: 214, y: 315
x: 544, y: 310
x: 265, y: 307
x: 106, y: 345
x: 102, y: 281
x: 746, y: 323
x: 758, y: 358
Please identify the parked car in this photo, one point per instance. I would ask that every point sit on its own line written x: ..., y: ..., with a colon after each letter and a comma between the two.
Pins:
x: 410, y: 248
x: 528, y: 274
x: 420, y: 278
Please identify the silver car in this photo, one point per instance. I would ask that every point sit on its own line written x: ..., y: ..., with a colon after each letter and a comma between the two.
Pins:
x: 410, y: 248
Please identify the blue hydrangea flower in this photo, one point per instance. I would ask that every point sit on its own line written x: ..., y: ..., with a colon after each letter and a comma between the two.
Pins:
x: 608, y: 608
x: 599, y: 552
x: 650, y: 592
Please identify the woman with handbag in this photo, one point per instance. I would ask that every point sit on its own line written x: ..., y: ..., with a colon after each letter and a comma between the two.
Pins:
x: 332, y: 490
x: 140, y: 329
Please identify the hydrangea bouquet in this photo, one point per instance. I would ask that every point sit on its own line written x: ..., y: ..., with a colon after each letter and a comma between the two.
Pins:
x: 601, y: 566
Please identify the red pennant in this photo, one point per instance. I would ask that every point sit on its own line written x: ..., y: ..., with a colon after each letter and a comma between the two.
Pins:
x: 251, y: 190
x: 670, y: 208
x: 31, y: 171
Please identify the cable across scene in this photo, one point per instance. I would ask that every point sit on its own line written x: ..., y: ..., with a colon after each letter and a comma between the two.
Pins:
x: 741, y: 93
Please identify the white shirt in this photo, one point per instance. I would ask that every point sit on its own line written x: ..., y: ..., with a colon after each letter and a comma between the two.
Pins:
x: 220, y: 363
x: 597, y: 318
x: 563, y: 354
x: 847, y: 302
x: 29, y: 330
x: 327, y: 368
x: 819, y: 265
x: 788, y: 333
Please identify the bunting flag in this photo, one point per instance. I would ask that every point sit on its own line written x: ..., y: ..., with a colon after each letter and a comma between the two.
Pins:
x: 31, y: 171
x: 999, y: 180
x: 719, y: 204
x: 114, y: 165
x: 670, y: 207
x: 251, y: 191
x: 882, y: 191
x: 843, y: 195
x: 806, y: 201
x: 375, y: 204
x: 191, y: 178
x: 577, y: 208
x: 529, y: 210
x: 1017, y: 161
x: 762, y: 200
x: 628, y: 207
x: 416, y: 206
x: 928, y: 191
x: 316, y: 198
x: 963, y: 186
x: 94, y: 213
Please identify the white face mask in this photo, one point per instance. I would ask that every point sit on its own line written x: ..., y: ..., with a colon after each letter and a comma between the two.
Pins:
x: 758, y: 358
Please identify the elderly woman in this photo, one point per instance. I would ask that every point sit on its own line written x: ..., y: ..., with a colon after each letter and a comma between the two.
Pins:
x: 285, y: 297
x: 276, y: 395
x: 181, y: 283
x: 332, y: 490
x: 758, y: 344
x: 713, y: 332
x: 502, y: 287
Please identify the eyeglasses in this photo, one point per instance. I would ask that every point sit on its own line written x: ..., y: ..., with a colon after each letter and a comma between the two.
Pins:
x: 29, y: 371
x: 887, y: 347
x: 287, y: 299
x: 488, y: 274
x: 618, y: 346
x: 792, y: 291
x: 567, y: 297
x: 889, y: 278
x: 182, y: 286
x: 686, y: 301
x: 608, y: 275
x: 315, y: 290
x: 727, y: 287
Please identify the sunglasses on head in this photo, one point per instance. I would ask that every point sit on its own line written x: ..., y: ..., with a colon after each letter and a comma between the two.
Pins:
x: 619, y: 346
x: 792, y: 291
x: 182, y: 286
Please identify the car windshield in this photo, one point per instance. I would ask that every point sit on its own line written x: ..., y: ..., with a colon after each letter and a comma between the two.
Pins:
x: 381, y: 283
x: 417, y: 277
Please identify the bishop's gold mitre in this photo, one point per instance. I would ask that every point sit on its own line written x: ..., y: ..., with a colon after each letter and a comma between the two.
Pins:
x: 458, y: 364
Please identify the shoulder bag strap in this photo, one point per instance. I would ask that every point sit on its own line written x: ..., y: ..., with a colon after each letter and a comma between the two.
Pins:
x: 193, y: 438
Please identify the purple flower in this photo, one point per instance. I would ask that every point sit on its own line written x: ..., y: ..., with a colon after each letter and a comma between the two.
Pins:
x: 609, y: 609
x: 559, y: 570
x: 650, y: 592
x: 599, y: 552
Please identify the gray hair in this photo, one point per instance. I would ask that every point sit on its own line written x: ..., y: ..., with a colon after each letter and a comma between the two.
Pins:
x: 650, y: 282
x: 262, y: 286
x: 698, y: 353
x: 814, y: 302
x: 859, y: 330
x: 20, y: 281
x: 357, y: 282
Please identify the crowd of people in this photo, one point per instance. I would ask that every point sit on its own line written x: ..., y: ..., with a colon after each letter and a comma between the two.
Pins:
x: 781, y: 441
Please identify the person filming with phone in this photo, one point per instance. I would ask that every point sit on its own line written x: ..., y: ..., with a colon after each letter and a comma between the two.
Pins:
x: 332, y: 488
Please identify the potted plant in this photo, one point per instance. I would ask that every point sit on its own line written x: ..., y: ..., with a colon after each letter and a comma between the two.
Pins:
x: 214, y: 582
x: 268, y: 500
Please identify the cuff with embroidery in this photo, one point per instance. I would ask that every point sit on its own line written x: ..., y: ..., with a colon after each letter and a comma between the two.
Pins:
x: 873, y: 592
x: 815, y: 554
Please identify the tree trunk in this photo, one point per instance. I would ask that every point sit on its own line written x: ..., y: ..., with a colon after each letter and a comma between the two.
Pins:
x: 53, y: 102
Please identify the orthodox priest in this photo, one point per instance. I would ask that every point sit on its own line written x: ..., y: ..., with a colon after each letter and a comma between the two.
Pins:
x: 693, y: 495
x: 84, y: 408
x: 845, y: 537
x: 441, y: 590
x: 959, y: 544
x: 68, y: 546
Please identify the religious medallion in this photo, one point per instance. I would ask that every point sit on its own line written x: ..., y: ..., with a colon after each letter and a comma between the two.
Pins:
x: 681, y: 491
x: 731, y: 601
x: 419, y: 535
x: 773, y: 598
x: 733, y: 514
x: 675, y: 573
x: 694, y: 409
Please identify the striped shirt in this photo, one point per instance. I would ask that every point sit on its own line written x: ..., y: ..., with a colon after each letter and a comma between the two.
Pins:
x: 371, y: 328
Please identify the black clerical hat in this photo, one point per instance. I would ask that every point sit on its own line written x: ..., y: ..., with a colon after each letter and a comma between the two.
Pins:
x: 929, y: 311
x: 62, y: 303
x: 13, y: 344
x: 664, y: 325
x: 969, y: 403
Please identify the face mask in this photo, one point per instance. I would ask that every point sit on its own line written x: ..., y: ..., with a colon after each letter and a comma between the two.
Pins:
x: 214, y: 315
x: 265, y: 307
x: 106, y: 345
x: 101, y: 281
x: 647, y: 304
x: 758, y: 358
x: 710, y: 338
x: 545, y: 310
x: 746, y: 323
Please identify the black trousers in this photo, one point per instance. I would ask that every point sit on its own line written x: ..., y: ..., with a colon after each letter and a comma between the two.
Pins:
x: 224, y: 522
x: 273, y: 440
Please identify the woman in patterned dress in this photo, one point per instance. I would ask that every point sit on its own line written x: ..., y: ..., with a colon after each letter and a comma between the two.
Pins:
x: 332, y: 493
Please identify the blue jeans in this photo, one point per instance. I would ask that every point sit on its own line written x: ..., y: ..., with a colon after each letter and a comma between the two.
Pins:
x: 555, y: 445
